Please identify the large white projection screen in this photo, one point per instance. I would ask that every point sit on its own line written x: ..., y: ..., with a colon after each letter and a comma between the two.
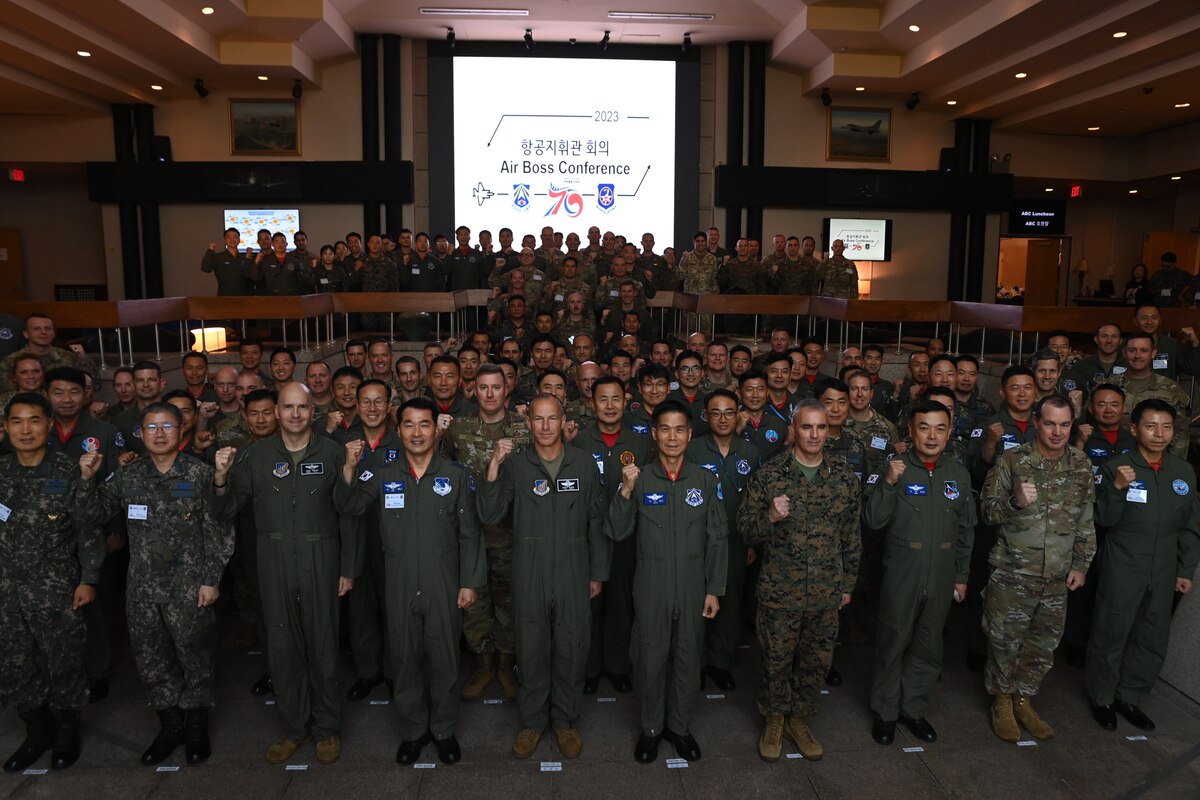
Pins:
x: 565, y: 142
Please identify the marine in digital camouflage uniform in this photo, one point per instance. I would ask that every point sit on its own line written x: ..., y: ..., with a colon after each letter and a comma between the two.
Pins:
x: 838, y: 275
x: 809, y: 565
x: 698, y: 273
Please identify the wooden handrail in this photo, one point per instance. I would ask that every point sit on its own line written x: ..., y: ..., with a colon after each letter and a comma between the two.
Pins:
x: 394, y: 302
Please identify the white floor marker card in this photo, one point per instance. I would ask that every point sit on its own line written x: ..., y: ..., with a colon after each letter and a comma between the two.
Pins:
x: 795, y: 755
x: 1137, y: 738
x: 296, y: 768
x: 167, y: 769
x: 423, y: 765
x: 715, y: 696
x: 35, y: 772
x: 380, y: 702
x: 1027, y: 743
x: 606, y: 699
x: 914, y: 749
x: 551, y: 766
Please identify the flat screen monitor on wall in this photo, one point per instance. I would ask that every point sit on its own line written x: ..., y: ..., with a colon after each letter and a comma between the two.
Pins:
x: 865, y: 239
x: 551, y: 137
x: 249, y: 221
x: 1037, y: 218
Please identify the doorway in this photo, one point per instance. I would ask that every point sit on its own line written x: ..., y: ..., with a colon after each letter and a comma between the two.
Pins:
x: 1033, y: 272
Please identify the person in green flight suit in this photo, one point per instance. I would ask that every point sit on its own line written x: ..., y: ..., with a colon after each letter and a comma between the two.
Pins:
x: 922, y: 500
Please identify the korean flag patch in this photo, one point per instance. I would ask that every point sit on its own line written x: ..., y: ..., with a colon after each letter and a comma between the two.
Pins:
x: 366, y: 476
x: 1180, y: 487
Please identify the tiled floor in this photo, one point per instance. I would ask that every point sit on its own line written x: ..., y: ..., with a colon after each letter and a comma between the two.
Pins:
x: 1084, y: 761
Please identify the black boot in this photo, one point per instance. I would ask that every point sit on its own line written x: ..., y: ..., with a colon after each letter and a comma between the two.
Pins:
x: 66, y: 739
x: 195, y: 736
x: 169, y: 737
x: 39, y: 737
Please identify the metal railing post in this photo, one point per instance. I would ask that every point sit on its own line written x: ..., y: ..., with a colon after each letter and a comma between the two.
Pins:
x: 157, y: 346
x: 100, y: 340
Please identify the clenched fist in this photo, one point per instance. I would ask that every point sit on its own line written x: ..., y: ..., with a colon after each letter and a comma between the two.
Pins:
x: 896, y: 468
x: 629, y: 476
x: 780, y: 508
x: 1025, y: 495
x: 89, y: 463
x: 1125, y: 476
x: 222, y: 461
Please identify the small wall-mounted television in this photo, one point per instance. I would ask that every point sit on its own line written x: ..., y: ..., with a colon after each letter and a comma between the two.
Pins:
x: 250, y: 221
x: 865, y: 239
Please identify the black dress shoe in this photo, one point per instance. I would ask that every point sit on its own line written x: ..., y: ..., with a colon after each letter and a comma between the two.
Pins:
x: 1105, y: 716
x: 97, y: 690
x: 833, y: 677
x: 646, y: 751
x: 884, y: 731
x: 263, y: 686
x: 362, y: 687
x: 723, y: 678
x: 591, y: 685
x: 410, y: 751
x: 976, y: 661
x: 621, y: 683
x: 1136, y: 717
x: 685, y: 745
x: 920, y: 728
x: 448, y: 750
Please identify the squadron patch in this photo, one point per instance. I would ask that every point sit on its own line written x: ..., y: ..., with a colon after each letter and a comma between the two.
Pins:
x: 282, y: 469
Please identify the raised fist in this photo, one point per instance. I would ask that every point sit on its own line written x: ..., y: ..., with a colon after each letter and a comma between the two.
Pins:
x: 629, y: 476
x: 89, y: 463
x: 1125, y: 476
x: 1025, y: 495
x: 896, y: 468
x: 780, y: 508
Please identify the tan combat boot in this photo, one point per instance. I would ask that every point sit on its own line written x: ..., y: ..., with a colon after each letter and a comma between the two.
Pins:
x: 1038, y: 728
x: 526, y: 742
x: 329, y: 750
x: 1004, y: 724
x: 284, y: 748
x: 770, y: 742
x: 504, y: 671
x: 485, y: 670
x: 797, y: 730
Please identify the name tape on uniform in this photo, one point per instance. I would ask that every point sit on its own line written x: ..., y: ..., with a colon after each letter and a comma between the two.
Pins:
x: 551, y: 766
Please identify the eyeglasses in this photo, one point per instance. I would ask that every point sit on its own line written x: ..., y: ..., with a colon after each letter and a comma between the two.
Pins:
x: 166, y: 426
x: 374, y: 402
x: 730, y: 414
x: 690, y: 370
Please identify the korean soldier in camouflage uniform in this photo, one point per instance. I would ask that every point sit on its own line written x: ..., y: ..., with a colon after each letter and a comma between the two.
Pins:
x: 837, y: 274
x: 177, y: 554
x: 1140, y: 383
x: 49, y: 562
x: 488, y: 624
x: 802, y: 507
x: 378, y: 274
x: 1039, y: 496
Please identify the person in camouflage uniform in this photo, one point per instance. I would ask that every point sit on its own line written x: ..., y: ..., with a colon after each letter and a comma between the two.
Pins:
x: 794, y: 273
x: 662, y: 275
x: 741, y: 275
x: 577, y: 319
x: 698, y: 272
x: 567, y: 283
x: 1039, y: 496
x: 802, y: 508
x: 876, y: 432
x: 488, y: 624
x: 837, y: 274
x: 1140, y: 383
x: 378, y: 274
x: 39, y: 333
x: 49, y: 563
x: 177, y: 554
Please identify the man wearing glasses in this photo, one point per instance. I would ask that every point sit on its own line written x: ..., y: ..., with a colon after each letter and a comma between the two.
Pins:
x: 690, y: 370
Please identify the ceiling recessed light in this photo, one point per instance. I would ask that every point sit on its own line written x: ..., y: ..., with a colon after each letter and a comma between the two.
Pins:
x: 860, y: 88
x: 914, y: 28
x: 83, y: 53
x: 1176, y: 177
x: 156, y: 87
x: 1133, y: 191
x: 1120, y: 34
x: 1048, y: 189
x: 1182, y: 105
x: 1021, y: 75
x: 1094, y: 128
x: 262, y: 77
x: 951, y: 102
x: 208, y: 10
x: 659, y: 15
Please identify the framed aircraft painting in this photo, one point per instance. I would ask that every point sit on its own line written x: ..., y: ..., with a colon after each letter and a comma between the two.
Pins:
x: 858, y: 134
x: 264, y: 127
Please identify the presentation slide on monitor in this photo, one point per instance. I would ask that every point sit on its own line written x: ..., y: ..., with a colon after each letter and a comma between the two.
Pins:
x: 250, y: 221
x: 864, y: 238
x: 565, y: 142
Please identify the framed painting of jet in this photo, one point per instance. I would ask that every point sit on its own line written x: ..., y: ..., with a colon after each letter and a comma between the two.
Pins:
x: 264, y: 127
x: 858, y: 134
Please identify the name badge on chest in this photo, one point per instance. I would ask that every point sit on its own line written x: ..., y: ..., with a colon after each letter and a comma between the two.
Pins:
x: 313, y: 468
x: 1136, y: 493
x: 137, y: 512
x: 916, y: 489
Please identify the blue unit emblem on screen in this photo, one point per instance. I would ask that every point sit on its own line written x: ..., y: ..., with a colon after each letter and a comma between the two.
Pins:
x: 606, y: 196
x: 521, y: 195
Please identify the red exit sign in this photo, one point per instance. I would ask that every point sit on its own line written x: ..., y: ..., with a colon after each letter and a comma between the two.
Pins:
x: 17, y: 175
x: 1076, y: 191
